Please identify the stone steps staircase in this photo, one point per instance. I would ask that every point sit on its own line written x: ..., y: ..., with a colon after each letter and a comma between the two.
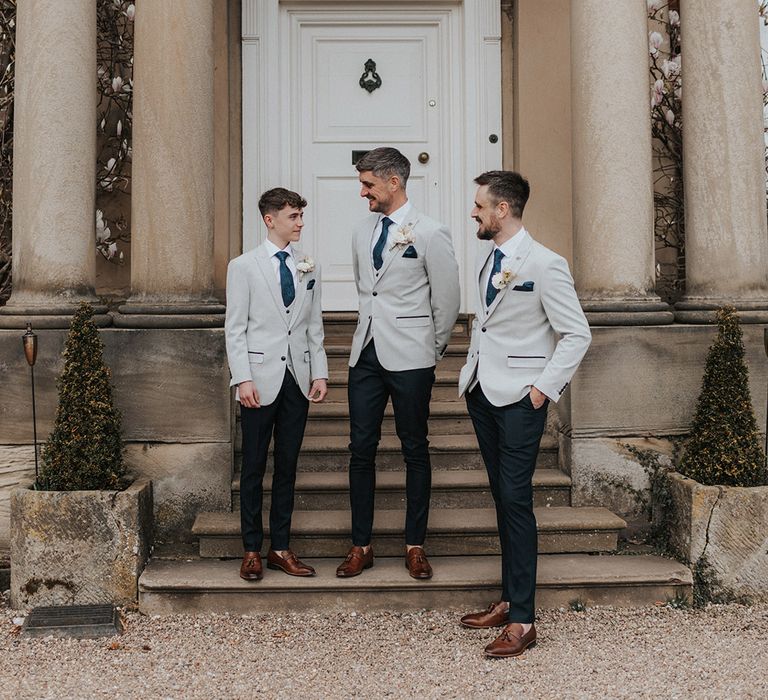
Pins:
x: 577, y: 546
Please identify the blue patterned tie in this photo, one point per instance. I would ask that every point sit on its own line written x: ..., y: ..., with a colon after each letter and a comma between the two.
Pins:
x: 491, y: 291
x: 378, y: 249
x: 286, y: 279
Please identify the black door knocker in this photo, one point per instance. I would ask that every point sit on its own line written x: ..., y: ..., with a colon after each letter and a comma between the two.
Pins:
x: 370, y: 80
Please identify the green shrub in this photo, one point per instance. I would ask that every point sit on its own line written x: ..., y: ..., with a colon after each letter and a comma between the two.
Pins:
x: 84, y: 451
x: 724, y: 447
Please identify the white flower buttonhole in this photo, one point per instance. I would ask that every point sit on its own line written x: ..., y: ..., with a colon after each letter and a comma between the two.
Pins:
x: 403, y: 237
x: 305, y: 265
x: 502, y: 278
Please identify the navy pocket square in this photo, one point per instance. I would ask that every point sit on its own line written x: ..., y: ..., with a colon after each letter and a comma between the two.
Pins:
x: 524, y: 287
x: 410, y: 252
x: 310, y: 284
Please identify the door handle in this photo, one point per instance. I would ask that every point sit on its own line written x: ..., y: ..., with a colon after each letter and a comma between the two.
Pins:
x: 423, y: 157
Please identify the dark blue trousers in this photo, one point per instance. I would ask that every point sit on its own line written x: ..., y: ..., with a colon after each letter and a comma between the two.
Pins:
x: 509, y: 438
x: 370, y: 386
x: 286, y: 416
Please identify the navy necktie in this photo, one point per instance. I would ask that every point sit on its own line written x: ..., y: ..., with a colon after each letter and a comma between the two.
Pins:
x: 286, y: 279
x: 491, y: 291
x: 378, y: 249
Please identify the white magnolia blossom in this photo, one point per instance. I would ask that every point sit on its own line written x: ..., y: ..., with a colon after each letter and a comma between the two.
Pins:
x: 671, y: 69
x: 765, y: 87
x: 130, y: 11
x: 117, y: 84
x: 653, y: 6
x: 119, y: 128
x: 657, y: 93
x: 670, y: 117
x: 112, y: 250
x: 655, y: 40
x: 674, y: 18
x: 110, y: 165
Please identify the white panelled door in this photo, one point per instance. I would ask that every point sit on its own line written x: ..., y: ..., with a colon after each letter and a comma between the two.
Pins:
x: 315, y: 117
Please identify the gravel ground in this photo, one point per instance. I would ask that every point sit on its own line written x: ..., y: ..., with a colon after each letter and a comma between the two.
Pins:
x: 718, y: 652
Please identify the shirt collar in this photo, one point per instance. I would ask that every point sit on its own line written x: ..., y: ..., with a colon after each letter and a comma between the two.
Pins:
x: 272, y: 248
x: 400, y: 215
x: 510, y: 246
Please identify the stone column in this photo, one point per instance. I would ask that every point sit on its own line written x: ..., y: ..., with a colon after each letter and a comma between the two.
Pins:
x: 54, y: 180
x: 172, y: 187
x: 612, y: 170
x: 724, y: 176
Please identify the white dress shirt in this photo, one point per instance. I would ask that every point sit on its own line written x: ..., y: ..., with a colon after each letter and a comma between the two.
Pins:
x: 509, y: 248
x: 290, y: 261
x: 398, y: 218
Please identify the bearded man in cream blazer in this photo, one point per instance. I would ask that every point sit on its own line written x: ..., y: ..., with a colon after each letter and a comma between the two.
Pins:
x: 408, y: 286
x: 274, y: 336
x: 528, y: 338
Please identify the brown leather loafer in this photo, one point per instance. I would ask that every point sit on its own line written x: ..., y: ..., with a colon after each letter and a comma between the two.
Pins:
x: 289, y: 563
x: 356, y: 561
x: 417, y: 563
x: 511, y: 641
x: 494, y: 616
x: 251, y: 569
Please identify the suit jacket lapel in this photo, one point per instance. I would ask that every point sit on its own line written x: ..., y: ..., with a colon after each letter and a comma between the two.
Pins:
x: 265, y: 265
x: 481, y: 262
x: 391, y: 253
x: 520, y: 257
x: 301, y: 289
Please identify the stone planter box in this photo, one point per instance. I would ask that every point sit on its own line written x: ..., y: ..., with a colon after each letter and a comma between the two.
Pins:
x: 79, y: 547
x: 722, y: 532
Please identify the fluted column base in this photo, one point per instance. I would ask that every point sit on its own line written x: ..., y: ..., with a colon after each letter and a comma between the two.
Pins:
x: 627, y: 312
x: 56, y: 314
x: 135, y: 314
x: 702, y: 309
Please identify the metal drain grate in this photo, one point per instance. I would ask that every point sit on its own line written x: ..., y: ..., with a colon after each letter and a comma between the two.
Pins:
x: 72, y: 621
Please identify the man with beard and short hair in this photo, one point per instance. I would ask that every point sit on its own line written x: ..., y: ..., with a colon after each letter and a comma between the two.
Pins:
x: 408, y: 286
x: 528, y: 338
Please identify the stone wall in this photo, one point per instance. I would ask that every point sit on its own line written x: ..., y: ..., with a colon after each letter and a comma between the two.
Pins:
x: 172, y: 387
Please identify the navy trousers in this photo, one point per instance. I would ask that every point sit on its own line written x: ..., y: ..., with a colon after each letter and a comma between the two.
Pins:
x: 369, y: 388
x: 286, y: 416
x: 509, y: 438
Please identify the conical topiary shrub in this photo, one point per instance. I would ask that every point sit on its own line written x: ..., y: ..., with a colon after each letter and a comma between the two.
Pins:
x: 724, y: 448
x: 84, y: 451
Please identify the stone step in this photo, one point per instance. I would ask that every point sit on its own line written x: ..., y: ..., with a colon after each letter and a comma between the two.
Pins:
x: 450, y: 489
x: 453, y: 360
x: 468, y: 583
x: 451, y: 531
x: 445, y: 388
x: 331, y: 452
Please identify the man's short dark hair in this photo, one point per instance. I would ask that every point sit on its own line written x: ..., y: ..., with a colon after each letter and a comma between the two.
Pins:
x: 278, y: 198
x: 384, y: 162
x: 506, y: 186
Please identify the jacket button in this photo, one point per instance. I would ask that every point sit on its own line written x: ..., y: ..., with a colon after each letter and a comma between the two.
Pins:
x: 283, y: 358
x: 483, y: 330
x: 289, y: 332
x: 375, y: 294
x: 287, y: 311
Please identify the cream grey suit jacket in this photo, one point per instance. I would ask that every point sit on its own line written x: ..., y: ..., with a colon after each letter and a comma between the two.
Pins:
x: 534, y: 332
x: 262, y: 336
x: 412, y: 302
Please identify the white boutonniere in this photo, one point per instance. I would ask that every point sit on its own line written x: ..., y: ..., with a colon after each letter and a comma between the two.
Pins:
x: 305, y: 265
x: 502, y: 278
x: 403, y: 237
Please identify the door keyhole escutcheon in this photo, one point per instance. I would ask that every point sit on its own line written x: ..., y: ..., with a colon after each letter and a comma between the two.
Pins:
x: 423, y: 157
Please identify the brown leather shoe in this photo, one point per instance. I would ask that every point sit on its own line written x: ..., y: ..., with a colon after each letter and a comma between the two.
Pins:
x: 417, y: 563
x: 289, y: 563
x: 356, y: 561
x: 494, y: 616
x: 250, y: 569
x: 511, y: 641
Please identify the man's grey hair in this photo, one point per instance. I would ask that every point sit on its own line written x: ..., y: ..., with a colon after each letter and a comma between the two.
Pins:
x: 384, y: 162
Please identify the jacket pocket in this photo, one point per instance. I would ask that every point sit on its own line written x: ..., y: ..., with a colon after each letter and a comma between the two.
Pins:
x: 257, y: 357
x: 412, y: 321
x: 526, y: 361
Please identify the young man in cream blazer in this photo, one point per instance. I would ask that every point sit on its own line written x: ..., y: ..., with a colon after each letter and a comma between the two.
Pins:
x: 408, y: 287
x: 274, y: 336
x: 528, y: 338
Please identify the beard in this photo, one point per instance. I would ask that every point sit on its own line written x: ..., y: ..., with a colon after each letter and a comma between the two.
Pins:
x: 376, y: 205
x: 487, y: 232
